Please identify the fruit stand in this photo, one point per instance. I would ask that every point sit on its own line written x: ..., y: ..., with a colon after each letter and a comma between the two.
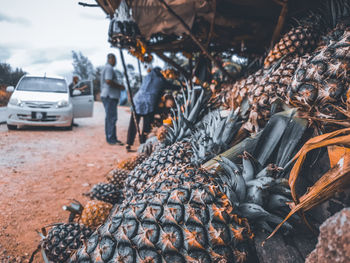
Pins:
x: 252, y: 164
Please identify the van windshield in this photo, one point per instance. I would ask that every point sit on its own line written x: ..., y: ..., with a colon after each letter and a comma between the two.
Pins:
x: 43, y: 85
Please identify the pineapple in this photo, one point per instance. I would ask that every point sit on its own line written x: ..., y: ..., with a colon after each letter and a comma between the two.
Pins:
x: 297, y: 41
x: 214, y: 135
x: 130, y: 163
x: 117, y: 177
x: 159, y: 160
x: 186, y: 219
x: 319, y: 87
x: 161, y: 133
x: 93, y: 214
x: 150, y: 145
x: 62, y: 240
x: 190, y: 109
x: 105, y: 192
x: 272, y: 88
x: 188, y: 214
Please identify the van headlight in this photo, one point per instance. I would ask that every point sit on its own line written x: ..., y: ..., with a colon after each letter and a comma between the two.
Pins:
x: 16, y: 102
x: 62, y: 104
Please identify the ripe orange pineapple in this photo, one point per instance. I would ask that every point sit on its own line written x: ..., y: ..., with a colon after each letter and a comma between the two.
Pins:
x: 92, y: 215
x: 131, y: 162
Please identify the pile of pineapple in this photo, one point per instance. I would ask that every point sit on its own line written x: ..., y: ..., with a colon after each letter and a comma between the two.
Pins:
x: 307, y: 69
x: 204, y: 187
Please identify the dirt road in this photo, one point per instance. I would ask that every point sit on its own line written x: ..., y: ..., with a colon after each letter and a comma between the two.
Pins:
x: 41, y: 169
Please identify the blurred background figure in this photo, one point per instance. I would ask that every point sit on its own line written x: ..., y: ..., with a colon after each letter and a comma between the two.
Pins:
x: 74, y: 82
x: 110, y: 94
x: 146, y: 101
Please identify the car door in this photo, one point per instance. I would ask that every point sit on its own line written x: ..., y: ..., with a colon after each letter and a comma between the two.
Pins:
x: 83, y: 104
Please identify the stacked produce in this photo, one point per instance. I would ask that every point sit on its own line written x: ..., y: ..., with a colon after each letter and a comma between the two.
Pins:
x: 202, y: 187
x: 301, y: 74
x: 175, y: 211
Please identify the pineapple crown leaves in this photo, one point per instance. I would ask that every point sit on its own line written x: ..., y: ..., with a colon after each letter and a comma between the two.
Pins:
x: 326, y: 15
x: 252, y: 191
x: 335, y: 10
x: 213, y: 135
x: 189, y: 110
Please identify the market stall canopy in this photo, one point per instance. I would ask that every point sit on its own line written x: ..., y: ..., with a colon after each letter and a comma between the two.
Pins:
x: 109, y: 6
x: 149, y: 15
x: 238, y: 24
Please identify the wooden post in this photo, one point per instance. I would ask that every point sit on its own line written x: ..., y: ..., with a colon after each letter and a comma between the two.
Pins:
x: 280, y: 23
x: 174, y: 64
x: 133, y: 112
x: 212, y: 23
x: 139, y: 65
x: 195, y: 40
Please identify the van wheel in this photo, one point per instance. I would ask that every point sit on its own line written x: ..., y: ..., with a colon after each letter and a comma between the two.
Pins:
x: 11, y: 127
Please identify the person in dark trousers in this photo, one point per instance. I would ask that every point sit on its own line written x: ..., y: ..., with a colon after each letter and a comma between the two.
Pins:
x: 146, y: 101
x: 110, y: 94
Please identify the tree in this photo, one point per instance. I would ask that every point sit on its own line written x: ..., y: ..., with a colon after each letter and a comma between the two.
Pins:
x: 97, y: 80
x: 8, y: 76
x: 83, y: 68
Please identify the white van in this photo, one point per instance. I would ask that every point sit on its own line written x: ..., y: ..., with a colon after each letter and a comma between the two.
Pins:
x: 46, y: 101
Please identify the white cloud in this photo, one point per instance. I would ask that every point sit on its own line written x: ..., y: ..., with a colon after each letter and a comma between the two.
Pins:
x: 15, y: 20
x: 56, y: 28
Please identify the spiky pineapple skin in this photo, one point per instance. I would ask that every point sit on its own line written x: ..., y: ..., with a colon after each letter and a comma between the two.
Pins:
x: 63, y: 239
x: 95, y: 213
x: 117, y: 177
x: 181, y: 218
x: 319, y: 86
x: 132, y: 162
x: 297, y: 41
x: 177, y: 153
x: 105, y: 192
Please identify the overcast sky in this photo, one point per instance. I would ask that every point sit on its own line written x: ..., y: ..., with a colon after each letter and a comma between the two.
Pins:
x: 39, y: 35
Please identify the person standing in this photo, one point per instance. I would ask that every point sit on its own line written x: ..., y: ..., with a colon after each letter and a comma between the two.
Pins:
x: 146, y: 101
x: 110, y: 94
x: 75, y: 81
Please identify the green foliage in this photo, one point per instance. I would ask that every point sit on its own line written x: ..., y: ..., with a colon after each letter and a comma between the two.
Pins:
x: 8, y: 76
x: 83, y: 67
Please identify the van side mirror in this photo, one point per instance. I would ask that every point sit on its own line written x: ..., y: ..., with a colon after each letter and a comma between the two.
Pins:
x: 76, y: 92
x: 10, y: 89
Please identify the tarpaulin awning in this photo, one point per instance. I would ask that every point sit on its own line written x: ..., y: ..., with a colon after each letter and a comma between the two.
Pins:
x: 151, y: 17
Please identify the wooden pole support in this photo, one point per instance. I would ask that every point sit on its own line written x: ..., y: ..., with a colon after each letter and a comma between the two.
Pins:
x: 133, y: 112
x: 280, y: 23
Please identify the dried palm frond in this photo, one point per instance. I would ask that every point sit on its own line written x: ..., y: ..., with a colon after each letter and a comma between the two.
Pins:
x: 335, y: 180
